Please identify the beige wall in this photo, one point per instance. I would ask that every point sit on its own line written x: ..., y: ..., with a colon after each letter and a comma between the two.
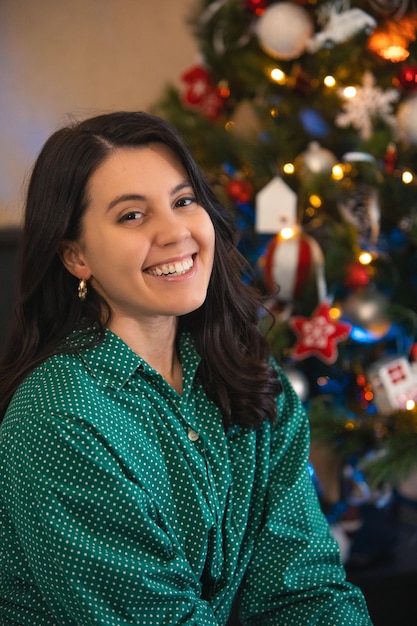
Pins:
x: 60, y: 58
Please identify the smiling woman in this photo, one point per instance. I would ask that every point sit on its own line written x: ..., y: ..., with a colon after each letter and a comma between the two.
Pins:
x: 153, y: 456
x: 146, y: 246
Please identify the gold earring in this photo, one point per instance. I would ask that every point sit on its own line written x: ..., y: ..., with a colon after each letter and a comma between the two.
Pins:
x: 82, y: 290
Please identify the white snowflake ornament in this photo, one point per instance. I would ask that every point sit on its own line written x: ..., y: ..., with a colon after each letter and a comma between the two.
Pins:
x: 367, y: 105
x: 340, y: 23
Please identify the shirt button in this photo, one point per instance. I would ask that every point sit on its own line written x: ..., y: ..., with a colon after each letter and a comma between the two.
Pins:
x: 192, y: 435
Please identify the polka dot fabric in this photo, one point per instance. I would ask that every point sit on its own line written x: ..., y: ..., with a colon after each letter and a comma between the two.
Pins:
x: 123, y: 502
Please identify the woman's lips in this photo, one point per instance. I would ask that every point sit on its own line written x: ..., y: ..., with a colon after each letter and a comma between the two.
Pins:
x: 175, y: 268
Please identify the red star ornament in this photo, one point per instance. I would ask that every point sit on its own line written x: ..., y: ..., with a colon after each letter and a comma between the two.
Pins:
x: 318, y: 335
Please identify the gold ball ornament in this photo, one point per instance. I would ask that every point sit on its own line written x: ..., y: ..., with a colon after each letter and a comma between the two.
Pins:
x: 283, y: 30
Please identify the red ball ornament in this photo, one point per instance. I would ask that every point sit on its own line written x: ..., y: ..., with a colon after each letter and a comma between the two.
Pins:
x: 357, y: 276
x: 408, y: 77
x: 239, y: 190
x: 256, y: 6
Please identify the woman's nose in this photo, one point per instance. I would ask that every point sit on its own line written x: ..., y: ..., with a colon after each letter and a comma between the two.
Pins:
x: 171, y: 228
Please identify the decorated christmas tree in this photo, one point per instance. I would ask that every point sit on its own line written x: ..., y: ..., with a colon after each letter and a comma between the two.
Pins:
x: 303, y: 114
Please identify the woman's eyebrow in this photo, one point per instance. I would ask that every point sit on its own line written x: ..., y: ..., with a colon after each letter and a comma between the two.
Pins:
x: 125, y: 197
x: 129, y: 197
x: 184, y: 185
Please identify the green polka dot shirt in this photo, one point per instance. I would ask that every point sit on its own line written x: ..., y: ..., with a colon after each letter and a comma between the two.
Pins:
x: 123, y: 502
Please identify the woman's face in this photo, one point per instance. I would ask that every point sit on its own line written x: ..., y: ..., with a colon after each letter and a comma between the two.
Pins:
x: 146, y: 244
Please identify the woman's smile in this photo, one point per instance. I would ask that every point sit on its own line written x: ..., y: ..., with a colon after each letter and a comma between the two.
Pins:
x: 172, y: 268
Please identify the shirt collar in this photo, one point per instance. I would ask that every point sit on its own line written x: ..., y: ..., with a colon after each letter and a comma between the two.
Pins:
x: 113, y: 363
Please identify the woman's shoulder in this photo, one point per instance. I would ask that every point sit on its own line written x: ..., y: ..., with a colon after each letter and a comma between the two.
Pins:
x: 49, y: 384
x: 76, y: 382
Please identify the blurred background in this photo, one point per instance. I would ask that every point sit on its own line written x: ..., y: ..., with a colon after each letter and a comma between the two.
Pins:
x: 60, y: 60
x: 303, y: 115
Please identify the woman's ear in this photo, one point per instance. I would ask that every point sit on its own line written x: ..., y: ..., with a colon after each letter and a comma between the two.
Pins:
x: 72, y: 259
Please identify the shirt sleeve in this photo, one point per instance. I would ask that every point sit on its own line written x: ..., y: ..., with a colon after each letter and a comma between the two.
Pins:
x: 99, y: 550
x: 295, y: 576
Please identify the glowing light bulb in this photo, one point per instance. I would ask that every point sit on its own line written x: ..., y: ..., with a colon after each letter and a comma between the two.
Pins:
x: 349, y: 92
x: 337, y: 172
x: 287, y: 233
x: 288, y: 168
x: 407, y: 177
x: 329, y: 81
x: 335, y: 312
x: 365, y: 258
x: 315, y: 200
x: 278, y: 75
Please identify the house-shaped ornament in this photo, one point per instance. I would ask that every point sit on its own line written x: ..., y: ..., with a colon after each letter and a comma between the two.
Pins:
x: 394, y: 383
x: 276, y: 207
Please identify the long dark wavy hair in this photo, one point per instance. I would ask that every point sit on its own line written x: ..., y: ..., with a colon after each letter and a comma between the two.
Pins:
x: 235, y: 368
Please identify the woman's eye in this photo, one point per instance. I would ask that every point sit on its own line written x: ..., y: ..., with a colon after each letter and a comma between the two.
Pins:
x: 131, y: 216
x: 187, y: 201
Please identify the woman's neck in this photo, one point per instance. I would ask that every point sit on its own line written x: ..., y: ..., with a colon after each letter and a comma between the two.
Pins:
x: 155, y: 342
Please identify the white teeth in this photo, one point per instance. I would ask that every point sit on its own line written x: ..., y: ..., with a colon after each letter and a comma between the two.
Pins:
x: 180, y: 267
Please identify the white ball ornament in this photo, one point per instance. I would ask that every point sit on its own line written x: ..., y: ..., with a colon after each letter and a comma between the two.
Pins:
x: 315, y: 160
x: 283, y: 30
x: 407, y: 119
x: 291, y: 263
x: 368, y: 309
